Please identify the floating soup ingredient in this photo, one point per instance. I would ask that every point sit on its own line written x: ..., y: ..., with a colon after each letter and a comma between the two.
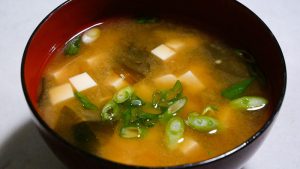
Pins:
x: 174, y: 132
x: 90, y: 35
x: 86, y: 103
x: 73, y: 46
x: 237, y: 89
x: 249, y: 103
x: 202, y: 123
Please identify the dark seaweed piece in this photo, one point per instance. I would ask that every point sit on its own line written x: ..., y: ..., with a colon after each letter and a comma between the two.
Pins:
x: 66, y: 120
x: 129, y: 75
x: 83, y: 134
x: 252, y: 66
x: 133, y: 64
x: 231, y: 63
x: 246, y: 56
x: 136, y: 59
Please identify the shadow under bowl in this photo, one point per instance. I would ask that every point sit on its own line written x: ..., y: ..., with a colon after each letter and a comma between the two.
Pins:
x: 226, y: 18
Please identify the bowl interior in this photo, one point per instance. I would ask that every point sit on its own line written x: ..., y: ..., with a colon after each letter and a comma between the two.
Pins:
x: 228, y: 19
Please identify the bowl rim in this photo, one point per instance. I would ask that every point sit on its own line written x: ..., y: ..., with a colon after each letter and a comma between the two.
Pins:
x: 190, y: 165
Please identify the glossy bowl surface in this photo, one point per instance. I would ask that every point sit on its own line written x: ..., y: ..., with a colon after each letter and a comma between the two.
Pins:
x: 226, y: 18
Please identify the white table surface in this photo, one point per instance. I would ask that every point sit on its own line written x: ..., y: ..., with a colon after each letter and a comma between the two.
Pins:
x: 21, y: 147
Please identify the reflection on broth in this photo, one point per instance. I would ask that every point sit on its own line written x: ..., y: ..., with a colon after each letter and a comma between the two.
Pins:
x: 150, y: 92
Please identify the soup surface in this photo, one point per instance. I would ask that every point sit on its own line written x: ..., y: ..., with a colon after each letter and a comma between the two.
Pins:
x: 151, y: 92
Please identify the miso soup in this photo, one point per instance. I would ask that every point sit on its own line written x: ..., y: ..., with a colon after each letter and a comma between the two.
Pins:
x: 153, y: 92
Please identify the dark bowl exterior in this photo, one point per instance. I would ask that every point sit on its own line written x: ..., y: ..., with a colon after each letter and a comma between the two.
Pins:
x: 226, y: 18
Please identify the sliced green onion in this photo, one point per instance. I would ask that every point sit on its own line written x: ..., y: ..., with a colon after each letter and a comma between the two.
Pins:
x: 249, y: 103
x: 175, y: 91
x: 174, y: 132
x: 123, y: 95
x: 156, y: 97
x: 110, y: 111
x: 173, y: 109
x: 201, y: 123
x: 86, y: 103
x: 210, y: 108
x: 131, y: 132
x: 126, y: 117
x: 73, y: 46
x: 176, y: 106
x: 136, y: 102
x: 146, y: 119
x: 237, y: 89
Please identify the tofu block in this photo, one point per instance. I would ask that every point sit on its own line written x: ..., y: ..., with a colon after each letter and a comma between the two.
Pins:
x: 175, y: 44
x: 57, y: 74
x: 166, y: 81
x: 191, y: 83
x: 163, y: 52
x: 82, y: 82
x: 60, y: 93
x: 92, y: 60
x: 189, y: 145
x: 90, y: 35
x: 61, y: 72
x: 227, y: 116
x: 117, y: 82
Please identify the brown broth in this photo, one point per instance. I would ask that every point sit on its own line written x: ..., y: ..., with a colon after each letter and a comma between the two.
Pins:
x: 101, y: 60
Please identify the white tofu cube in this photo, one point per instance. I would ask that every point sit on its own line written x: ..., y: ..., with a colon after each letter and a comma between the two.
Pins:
x: 165, y: 81
x: 60, y: 93
x: 163, y: 52
x: 82, y: 82
x: 61, y: 73
x: 118, y: 83
x: 57, y: 74
x: 175, y: 44
x: 92, y: 60
x: 191, y: 82
x: 91, y: 35
x: 189, y: 145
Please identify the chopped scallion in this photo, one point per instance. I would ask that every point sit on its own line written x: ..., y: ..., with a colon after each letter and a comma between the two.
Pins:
x: 176, y: 106
x: 237, y: 89
x: 86, y: 103
x: 131, y: 132
x: 174, y: 132
x: 201, y: 123
x: 110, y: 111
x: 73, y: 46
x: 137, y: 102
x: 175, y: 91
x: 249, y: 103
x: 173, y: 109
x: 211, y: 108
x: 123, y: 95
x: 156, y: 97
x: 146, y: 119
